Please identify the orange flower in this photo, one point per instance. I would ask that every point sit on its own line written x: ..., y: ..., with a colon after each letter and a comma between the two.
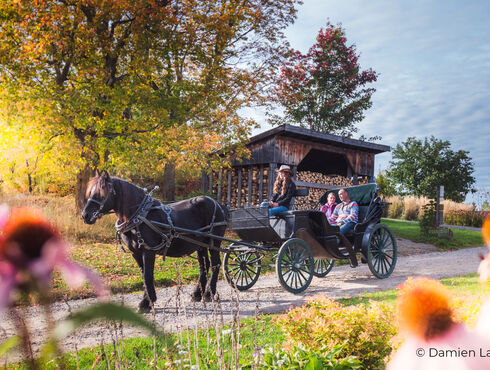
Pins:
x: 423, y: 308
x: 30, y: 249
x: 486, y: 231
x: 24, y: 234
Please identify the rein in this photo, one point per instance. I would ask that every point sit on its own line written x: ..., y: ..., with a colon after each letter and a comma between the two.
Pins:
x: 140, y: 217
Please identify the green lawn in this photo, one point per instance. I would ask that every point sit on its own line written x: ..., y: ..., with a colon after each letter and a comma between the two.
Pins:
x: 467, y: 285
x: 411, y: 231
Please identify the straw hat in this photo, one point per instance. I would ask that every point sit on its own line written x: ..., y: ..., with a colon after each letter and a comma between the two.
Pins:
x: 285, y: 168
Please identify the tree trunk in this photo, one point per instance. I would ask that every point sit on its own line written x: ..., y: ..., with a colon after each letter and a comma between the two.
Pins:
x: 83, y: 177
x: 168, y: 190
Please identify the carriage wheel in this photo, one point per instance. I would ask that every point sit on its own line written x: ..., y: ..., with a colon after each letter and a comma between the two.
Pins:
x: 241, y: 269
x: 323, y: 267
x: 381, y: 251
x: 295, y: 265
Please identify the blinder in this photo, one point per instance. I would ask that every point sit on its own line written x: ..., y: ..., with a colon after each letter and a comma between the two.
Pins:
x: 100, y: 212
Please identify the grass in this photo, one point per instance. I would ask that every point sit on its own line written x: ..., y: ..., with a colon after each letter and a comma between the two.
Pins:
x: 411, y: 231
x: 206, y: 348
x: 467, y: 284
x: 209, y: 349
x: 121, y: 273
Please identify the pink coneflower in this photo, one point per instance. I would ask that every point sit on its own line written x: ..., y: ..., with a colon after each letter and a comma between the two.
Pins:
x: 30, y: 249
x: 433, y: 339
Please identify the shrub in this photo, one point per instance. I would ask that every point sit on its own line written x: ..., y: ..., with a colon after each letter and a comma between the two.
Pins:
x: 465, y: 218
x: 363, y: 331
x: 395, y: 209
x: 428, y: 219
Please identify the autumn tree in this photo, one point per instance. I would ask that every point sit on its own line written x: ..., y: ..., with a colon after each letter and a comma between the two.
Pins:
x: 325, y: 89
x: 419, y: 166
x: 112, y: 78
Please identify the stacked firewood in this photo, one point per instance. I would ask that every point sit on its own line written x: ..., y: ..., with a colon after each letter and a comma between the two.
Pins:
x: 311, y: 200
x: 320, y: 178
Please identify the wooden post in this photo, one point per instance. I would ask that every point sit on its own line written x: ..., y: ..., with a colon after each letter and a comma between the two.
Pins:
x: 439, y: 208
x: 271, y: 180
x: 249, y: 190
x: 239, y: 194
x: 220, y: 180
x: 261, y: 184
x: 204, y: 181
x: 228, y: 189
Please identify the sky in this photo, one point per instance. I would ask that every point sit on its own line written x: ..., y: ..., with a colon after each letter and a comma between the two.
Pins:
x: 433, y: 60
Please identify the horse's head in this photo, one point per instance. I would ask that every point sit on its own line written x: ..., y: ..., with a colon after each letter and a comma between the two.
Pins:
x: 100, y: 194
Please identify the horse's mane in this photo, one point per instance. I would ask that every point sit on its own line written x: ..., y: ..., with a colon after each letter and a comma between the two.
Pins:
x: 100, y: 187
x: 126, y: 185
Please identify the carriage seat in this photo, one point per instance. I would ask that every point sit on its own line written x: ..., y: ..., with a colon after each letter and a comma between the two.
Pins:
x: 284, y: 215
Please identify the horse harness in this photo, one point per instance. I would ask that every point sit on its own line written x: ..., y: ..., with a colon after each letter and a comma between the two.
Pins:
x: 140, y: 217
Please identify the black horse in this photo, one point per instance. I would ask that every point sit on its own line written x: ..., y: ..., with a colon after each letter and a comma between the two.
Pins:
x: 135, y: 210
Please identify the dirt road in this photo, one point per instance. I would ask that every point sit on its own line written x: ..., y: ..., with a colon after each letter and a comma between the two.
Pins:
x: 174, y: 310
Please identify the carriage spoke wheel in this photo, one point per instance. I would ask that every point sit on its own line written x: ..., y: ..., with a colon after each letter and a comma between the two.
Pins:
x: 381, y: 251
x: 323, y: 267
x: 295, y: 265
x: 241, y: 268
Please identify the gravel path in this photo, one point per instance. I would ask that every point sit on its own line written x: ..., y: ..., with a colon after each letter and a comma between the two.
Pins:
x: 174, y: 310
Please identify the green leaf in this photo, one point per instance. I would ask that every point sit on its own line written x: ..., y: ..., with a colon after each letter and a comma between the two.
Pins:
x: 8, y: 345
x: 107, y: 311
x: 313, y: 364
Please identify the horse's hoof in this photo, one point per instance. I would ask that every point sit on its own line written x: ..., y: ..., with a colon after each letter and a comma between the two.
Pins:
x: 196, y: 297
x: 209, y: 297
x: 144, y: 310
x: 144, y: 307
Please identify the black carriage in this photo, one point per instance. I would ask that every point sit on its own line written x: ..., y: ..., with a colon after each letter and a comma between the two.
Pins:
x: 306, y: 244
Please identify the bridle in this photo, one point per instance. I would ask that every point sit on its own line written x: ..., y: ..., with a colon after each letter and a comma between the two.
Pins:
x: 99, y: 212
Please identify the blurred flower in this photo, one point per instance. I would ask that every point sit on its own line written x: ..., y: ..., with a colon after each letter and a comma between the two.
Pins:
x: 483, y: 323
x: 486, y: 231
x: 423, y: 308
x: 433, y: 340
x: 484, y: 267
x: 30, y: 249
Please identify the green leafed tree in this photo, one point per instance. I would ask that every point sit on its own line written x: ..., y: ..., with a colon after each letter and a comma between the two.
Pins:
x: 127, y: 80
x: 386, y: 188
x: 325, y: 89
x: 419, y: 166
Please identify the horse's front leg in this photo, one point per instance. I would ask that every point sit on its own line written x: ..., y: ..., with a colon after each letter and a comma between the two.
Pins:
x: 146, y: 303
x: 215, y: 265
x: 150, y: 296
x: 202, y: 257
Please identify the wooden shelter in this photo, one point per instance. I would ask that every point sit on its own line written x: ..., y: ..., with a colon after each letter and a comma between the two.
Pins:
x: 319, y: 161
